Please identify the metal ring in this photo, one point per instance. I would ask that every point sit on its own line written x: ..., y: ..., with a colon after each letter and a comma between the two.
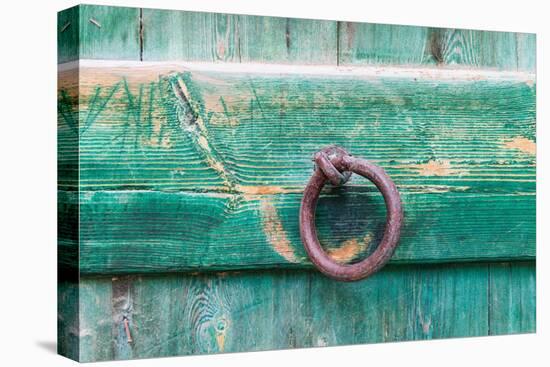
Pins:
x: 343, y: 162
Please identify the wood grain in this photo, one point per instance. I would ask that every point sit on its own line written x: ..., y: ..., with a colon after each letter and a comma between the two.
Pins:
x: 173, y: 35
x: 250, y: 311
x: 200, y: 130
x: 465, y: 131
x: 143, y: 232
x: 466, y: 169
x: 109, y: 32
x: 68, y: 26
x: 287, y: 40
x: 364, y: 43
x: 513, y: 298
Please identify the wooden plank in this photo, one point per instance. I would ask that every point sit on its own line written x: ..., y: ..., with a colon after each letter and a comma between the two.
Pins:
x: 142, y: 232
x: 406, y: 303
x: 512, y: 298
x: 527, y: 48
x: 68, y: 301
x: 84, y: 31
x: 232, y: 312
x: 174, y: 35
x: 108, y: 32
x: 249, y: 154
x: 235, y: 131
x: 68, y: 25
x: 287, y: 40
x: 364, y: 43
x: 68, y: 318
x: 95, y: 329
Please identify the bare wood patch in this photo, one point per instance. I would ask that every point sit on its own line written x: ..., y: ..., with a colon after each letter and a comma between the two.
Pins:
x: 522, y: 144
x: 221, y: 331
x: 274, y: 231
x: 250, y: 192
x: 437, y: 168
x: 350, y: 249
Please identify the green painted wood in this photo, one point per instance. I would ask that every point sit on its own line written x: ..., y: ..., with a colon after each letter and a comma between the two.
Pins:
x: 285, y: 40
x: 68, y: 235
x: 175, y: 135
x: 364, y: 43
x: 513, y: 298
x: 108, y: 32
x: 527, y: 48
x: 208, y: 312
x: 405, y: 303
x: 232, y: 130
x: 144, y: 232
x: 173, y: 35
x: 249, y: 311
x: 68, y: 125
x: 68, y: 25
x: 95, y: 330
x: 68, y: 229
x: 68, y: 318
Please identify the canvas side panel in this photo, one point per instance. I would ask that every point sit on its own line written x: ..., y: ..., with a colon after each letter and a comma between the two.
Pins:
x: 68, y: 326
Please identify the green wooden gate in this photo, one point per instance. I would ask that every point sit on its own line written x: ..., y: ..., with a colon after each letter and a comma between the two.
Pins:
x: 185, y: 140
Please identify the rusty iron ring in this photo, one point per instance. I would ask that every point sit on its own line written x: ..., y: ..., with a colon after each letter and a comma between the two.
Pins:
x: 334, y: 164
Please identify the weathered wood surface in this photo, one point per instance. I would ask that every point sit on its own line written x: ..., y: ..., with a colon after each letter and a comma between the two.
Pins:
x: 364, y: 43
x: 153, y: 34
x: 142, y: 232
x: 172, y: 162
x: 512, y: 290
x: 282, y: 309
x: 250, y: 311
x: 211, y: 130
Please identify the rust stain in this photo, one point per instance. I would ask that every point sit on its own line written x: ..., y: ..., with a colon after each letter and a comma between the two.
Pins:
x: 350, y: 249
x: 274, y: 231
x: 522, y: 144
x: 437, y: 168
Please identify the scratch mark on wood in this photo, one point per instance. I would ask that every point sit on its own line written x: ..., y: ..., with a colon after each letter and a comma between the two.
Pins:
x: 64, y: 28
x: 97, y: 104
x: 95, y: 22
x: 195, y: 125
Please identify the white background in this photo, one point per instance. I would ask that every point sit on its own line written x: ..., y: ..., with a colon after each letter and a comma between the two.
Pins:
x: 28, y: 182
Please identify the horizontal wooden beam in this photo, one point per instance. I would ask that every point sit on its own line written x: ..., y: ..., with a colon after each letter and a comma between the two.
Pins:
x: 185, y: 167
x: 151, y: 128
x: 142, y: 232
